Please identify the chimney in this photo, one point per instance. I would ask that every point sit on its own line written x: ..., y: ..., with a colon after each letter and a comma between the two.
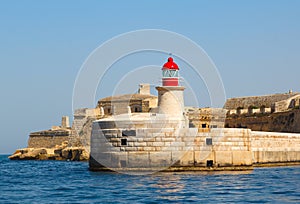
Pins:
x: 144, y: 89
x: 65, y: 123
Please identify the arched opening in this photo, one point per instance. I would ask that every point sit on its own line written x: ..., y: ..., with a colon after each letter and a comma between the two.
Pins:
x: 250, y: 110
x: 108, y: 110
x: 292, y: 103
x: 239, y: 110
x: 136, y: 108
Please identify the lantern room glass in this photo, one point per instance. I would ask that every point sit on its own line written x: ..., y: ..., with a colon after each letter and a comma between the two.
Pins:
x: 169, y: 73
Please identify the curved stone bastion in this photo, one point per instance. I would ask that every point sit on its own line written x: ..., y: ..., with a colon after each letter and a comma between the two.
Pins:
x: 142, y: 143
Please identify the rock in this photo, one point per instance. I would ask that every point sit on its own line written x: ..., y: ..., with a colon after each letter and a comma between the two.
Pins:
x: 34, y: 154
x: 84, y: 155
x: 57, y: 153
x: 19, y: 153
x: 15, y: 156
x: 66, y: 154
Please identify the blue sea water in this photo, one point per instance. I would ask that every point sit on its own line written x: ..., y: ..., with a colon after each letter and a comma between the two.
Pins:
x: 71, y: 182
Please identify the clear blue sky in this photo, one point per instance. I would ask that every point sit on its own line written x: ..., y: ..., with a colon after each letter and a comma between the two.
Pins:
x: 254, y: 44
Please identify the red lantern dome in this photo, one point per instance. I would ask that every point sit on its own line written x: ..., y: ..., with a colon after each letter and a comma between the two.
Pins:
x: 170, y: 64
x: 170, y: 73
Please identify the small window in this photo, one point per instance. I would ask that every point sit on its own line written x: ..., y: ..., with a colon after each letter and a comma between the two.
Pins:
x: 208, y: 141
x: 128, y: 133
x: 209, y: 163
x: 203, y: 125
x: 124, y: 141
x: 137, y: 109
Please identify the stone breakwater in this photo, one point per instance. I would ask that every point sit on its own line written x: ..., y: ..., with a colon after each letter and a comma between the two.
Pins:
x: 190, y: 150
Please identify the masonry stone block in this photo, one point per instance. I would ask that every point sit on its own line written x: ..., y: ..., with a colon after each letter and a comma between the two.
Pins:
x: 170, y: 148
x: 160, y: 159
x: 223, y: 158
x: 138, y: 160
x: 130, y: 148
x: 242, y: 158
x: 177, y: 155
x: 157, y: 139
x: 203, y: 156
x: 158, y: 144
x: 188, y: 159
x: 169, y: 139
x: 140, y: 144
x: 118, y: 158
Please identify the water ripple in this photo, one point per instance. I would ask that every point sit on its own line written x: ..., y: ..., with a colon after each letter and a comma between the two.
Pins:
x: 71, y: 182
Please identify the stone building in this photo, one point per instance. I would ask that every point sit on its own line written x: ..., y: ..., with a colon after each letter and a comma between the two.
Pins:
x: 273, y: 113
x: 206, y: 118
x: 52, y: 137
x: 263, y: 104
x: 142, y: 101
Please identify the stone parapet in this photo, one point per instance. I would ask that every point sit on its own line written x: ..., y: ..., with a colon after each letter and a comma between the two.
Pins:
x: 48, y: 139
x: 272, y: 147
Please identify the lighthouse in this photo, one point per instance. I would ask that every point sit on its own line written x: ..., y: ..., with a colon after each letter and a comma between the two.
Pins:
x: 170, y: 72
x: 170, y: 94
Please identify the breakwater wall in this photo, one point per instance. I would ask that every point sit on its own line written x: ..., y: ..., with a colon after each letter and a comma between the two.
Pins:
x: 187, y: 149
x: 275, y: 147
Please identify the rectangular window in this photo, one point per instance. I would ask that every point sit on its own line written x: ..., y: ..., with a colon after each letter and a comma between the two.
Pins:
x: 128, y: 133
x: 209, y: 163
x: 124, y: 141
x: 208, y: 141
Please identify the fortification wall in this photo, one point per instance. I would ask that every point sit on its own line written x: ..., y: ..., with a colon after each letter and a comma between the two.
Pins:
x: 271, y: 147
x: 220, y: 148
x: 169, y: 147
x: 189, y: 149
x: 256, y: 101
x: 43, y: 141
x: 288, y: 121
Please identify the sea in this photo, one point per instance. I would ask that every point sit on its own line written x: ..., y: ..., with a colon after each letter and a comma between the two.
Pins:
x: 72, y: 182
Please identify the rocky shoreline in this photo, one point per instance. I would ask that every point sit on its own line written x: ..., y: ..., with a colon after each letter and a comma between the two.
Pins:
x: 59, y: 152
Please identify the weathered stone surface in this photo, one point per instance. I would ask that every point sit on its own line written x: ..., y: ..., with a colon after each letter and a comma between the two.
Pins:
x: 223, y: 158
x: 257, y: 101
x: 227, y: 147
x: 47, y: 141
x: 287, y: 121
x: 58, y: 153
